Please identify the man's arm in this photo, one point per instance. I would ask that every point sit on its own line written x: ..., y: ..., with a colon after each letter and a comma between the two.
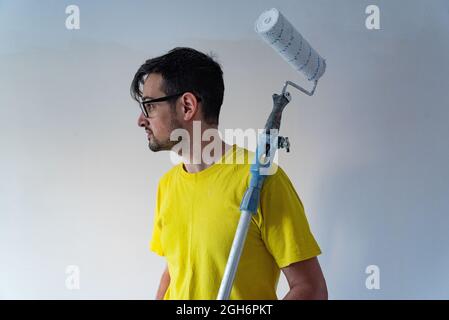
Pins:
x: 306, y: 281
x: 165, y: 281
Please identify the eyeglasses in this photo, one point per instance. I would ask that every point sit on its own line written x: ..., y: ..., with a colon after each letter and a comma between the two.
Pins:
x: 147, y: 105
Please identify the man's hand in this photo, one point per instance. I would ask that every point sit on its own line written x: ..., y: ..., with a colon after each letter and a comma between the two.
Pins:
x: 306, y: 281
x: 165, y: 282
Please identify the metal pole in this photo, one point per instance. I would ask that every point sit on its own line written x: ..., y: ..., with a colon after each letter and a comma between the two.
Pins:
x: 234, y: 255
x: 266, y: 149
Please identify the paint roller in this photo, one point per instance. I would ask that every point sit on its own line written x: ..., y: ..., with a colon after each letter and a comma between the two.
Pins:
x: 279, y: 33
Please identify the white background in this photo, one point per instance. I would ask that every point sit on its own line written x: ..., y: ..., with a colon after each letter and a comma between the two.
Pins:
x: 369, y: 154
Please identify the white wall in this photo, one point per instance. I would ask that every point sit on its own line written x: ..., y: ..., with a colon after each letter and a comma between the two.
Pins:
x: 369, y: 152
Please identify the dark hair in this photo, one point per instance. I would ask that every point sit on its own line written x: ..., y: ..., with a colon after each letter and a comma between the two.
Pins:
x: 186, y: 69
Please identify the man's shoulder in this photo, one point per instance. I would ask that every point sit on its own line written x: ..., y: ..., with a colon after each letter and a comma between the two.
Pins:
x: 168, y: 175
x: 247, y: 157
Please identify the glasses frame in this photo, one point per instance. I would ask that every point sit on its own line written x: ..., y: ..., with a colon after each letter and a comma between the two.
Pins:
x: 143, y: 103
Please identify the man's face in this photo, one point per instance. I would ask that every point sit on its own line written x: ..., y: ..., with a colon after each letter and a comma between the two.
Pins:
x: 162, y: 119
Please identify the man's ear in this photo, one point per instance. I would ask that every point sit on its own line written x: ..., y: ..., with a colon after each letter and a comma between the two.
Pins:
x: 190, y: 106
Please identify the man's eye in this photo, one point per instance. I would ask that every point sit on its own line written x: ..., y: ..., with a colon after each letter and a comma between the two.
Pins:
x: 148, y: 106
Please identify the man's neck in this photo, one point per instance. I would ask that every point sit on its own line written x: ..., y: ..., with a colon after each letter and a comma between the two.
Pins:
x: 199, y: 164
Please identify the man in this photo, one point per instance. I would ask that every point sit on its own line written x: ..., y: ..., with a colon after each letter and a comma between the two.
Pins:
x: 197, y: 203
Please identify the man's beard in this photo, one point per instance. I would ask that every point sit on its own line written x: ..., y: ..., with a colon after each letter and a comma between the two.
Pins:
x: 156, y: 145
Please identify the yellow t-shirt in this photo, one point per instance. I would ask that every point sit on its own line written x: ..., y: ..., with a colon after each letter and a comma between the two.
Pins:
x: 195, y: 220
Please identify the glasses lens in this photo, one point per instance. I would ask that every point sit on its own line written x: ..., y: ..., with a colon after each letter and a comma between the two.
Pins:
x: 143, y: 109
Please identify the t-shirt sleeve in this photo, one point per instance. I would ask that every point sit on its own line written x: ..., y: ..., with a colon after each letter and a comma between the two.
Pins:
x: 284, y: 226
x: 155, y: 242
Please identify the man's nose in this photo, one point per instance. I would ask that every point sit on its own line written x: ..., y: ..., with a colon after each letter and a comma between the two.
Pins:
x: 142, y: 121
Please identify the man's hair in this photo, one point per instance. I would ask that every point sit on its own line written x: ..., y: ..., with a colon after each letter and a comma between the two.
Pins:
x: 186, y: 69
